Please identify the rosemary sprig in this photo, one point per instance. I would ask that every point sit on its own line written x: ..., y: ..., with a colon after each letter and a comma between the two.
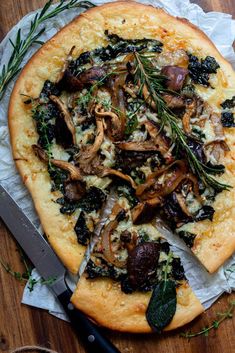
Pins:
x: 21, y: 46
x: 146, y: 75
x: 220, y: 317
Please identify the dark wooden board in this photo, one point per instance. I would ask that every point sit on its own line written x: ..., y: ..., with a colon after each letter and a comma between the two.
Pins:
x: 21, y: 325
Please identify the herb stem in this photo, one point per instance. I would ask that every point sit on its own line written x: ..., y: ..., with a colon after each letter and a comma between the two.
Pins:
x: 21, y: 46
x: 216, y: 323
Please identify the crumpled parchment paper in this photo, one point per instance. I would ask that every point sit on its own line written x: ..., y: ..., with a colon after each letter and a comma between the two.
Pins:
x: 221, y: 29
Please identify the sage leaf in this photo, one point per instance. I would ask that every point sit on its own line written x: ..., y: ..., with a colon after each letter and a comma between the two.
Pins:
x: 162, y: 305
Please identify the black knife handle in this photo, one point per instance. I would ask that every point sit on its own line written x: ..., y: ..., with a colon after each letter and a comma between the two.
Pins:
x: 92, y: 337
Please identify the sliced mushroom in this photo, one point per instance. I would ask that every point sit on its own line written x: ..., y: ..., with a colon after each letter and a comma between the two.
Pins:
x: 106, y: 233
x: 116, y: 124
x: 159, y: 140
x: 145, y: 211
x: 88, y: 152
x: 138, y: 146
x: 73, y: 171
x: 66, y: 115
x: 218, y: 146
x: 108, y: 171
x: 190, y: 111
x: 173, y: 102
x: 72, y: 83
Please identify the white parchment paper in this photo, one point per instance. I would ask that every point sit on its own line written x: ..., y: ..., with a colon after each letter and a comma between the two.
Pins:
x: 221, y: 29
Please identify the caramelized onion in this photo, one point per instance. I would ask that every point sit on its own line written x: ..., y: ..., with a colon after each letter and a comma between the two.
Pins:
x: 106, y: 240
x: 151, y: 179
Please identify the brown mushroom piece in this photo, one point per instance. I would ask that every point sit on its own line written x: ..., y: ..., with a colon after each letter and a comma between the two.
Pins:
x: 190, y: 111
x: 106, y: 233
x: 218, y: 146
x: 115, y: 126
x: 173, y: 102
x: 145, y: 211
x: 69, y: 125
x: 108, y: 171
x: 72, y: 83
x: 88, y: 152
x: 175, y: 76
x: 73, y: 171
x: 74, y: 190
x: 142, y: 263
x: 137, y: 146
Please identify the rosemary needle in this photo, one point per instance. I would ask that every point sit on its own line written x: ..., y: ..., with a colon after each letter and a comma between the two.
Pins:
x: 21, y: 46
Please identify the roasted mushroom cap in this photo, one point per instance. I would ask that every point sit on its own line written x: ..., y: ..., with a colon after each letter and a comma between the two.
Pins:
x: 175, y: 76
x: 142, y: 263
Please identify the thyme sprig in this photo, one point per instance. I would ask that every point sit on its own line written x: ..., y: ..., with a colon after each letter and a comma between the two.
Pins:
x: 147, y: 76
x: 220, y: 317
x: 21, y: 46
x: 26, y: 275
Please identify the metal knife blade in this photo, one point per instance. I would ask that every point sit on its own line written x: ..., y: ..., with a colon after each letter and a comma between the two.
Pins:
x: 32, y: 242
x: 48, y: 265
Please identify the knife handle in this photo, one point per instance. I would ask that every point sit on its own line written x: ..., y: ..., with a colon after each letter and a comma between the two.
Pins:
x: 92, y: 337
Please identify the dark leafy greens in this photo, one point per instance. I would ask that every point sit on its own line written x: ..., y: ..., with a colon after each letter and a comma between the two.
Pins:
x: 200, y: 70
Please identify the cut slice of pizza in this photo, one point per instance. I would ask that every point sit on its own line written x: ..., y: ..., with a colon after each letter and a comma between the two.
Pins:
x: 133, y: 280
x: 130, y: 98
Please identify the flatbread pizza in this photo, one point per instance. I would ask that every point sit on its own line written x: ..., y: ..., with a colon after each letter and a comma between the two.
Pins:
x: 129, y: 100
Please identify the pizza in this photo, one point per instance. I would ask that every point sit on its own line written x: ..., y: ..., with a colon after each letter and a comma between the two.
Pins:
x: 129, y: 104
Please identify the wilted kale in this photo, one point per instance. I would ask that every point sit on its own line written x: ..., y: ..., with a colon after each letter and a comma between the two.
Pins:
x: 82, y: 231
x: 105, y: 270
x: 227, y: 119
x: 49, y: 88
x: 58, y: 177
x: 187, y: 237
x: 128, y: 192
x: 177, y: 271
x: 228, y: 103
x: 116, y: 47
x: 42, y: 114
x: 200, y: 71
x: 93, y: 200
x: 67, y: 207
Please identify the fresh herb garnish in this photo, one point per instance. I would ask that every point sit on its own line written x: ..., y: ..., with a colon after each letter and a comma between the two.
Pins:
x: 21, y: 46
x: 220, y: 317
x: 147, y: 76
x: 26, y: 275
x: 162, y: 305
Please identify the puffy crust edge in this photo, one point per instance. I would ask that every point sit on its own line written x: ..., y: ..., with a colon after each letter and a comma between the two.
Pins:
x: 104, y: 302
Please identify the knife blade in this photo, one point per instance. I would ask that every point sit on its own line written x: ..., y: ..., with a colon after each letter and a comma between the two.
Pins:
x: 49, y: 266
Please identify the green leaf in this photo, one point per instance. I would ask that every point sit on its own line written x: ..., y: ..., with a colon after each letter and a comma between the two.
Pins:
x: 162, y: 305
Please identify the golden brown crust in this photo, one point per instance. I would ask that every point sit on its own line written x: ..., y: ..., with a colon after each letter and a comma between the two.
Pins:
x: 104, y: 302
x: 129, y: 20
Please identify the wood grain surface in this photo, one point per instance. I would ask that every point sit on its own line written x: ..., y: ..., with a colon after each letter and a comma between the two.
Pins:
x: 22, y: 325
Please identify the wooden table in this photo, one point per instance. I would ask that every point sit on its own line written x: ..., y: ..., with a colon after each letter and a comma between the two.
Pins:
x: 22, y: 325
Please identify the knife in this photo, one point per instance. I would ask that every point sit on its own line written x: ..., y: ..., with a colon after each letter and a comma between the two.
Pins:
x: 49, y: 266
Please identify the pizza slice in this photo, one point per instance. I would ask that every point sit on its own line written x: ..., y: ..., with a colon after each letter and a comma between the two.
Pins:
x: 127, y: 97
